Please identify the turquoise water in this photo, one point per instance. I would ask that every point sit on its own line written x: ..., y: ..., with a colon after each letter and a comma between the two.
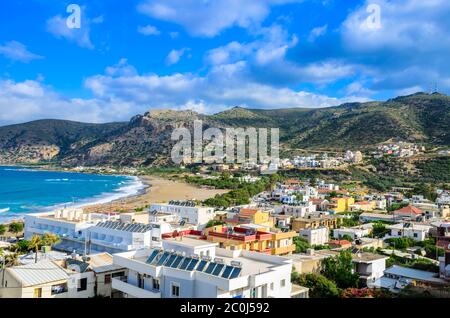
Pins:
x: 24, y: 190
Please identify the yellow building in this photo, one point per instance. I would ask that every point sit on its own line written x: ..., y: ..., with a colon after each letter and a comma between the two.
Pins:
x: 365, y: 206
x: 252, y: 239
x: 253, y: 216
x: 339, y: 205
x: 330, y: 222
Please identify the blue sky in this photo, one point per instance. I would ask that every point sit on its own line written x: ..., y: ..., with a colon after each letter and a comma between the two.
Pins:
x: 129, y: 57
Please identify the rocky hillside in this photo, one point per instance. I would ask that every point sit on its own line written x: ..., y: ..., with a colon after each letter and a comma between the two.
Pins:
x: 145, y: 140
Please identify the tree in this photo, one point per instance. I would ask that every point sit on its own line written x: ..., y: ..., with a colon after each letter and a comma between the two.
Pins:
x: 340, y: 270
x: 2, y: 229
x: 400, y: 243
x: 347, y: 238
x: 36, y: 242
x: 379, y: 230
x: 212, y: 223
x: 319, y: 286
x: 22, y: 246
x: 50, y: 239
x: 301, y: 245
x: 16, y: 227
x: 12, y: 259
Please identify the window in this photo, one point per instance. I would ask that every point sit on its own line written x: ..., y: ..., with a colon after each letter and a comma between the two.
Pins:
x: 82, y: 284
x: 108, y: 279
x: 59, y: 289
x: 415, y: 235
x: 118, y: 274
x: 155, y: 284
x: 283, y: 283
x: 399, y: 233
x: 175, y: 290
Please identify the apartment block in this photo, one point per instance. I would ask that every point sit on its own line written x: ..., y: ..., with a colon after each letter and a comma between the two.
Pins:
x: 190, y: 268
x: 185, y: 211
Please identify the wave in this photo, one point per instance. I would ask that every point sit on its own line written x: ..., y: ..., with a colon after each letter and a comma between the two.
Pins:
x: 4, y: 210
x: 56, y: 180
x: 129, y: 188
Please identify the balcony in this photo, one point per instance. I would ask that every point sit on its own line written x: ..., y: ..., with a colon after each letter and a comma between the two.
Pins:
x: 121, y: 284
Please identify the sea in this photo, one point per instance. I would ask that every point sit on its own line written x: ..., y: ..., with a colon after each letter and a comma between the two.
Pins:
x: 25, y: 190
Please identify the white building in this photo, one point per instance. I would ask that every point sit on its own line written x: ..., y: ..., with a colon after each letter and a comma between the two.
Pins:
x: 116, y: 236
x: 298, y: 211
x: 190, y: 268
x: 186, y: 211
x: 397, y: 277
x: 45, y: 280
x: 369, y: 266
x: 317, y: 236
x: 356, y: 232
x: 70, y: 225
x: 416, y: 232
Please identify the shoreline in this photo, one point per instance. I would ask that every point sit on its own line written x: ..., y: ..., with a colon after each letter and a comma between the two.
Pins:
x: 157, y: 190
x: 150, y: 189
x: 136, y: 183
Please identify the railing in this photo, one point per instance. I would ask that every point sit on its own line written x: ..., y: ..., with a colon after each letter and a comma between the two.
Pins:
x: 122, y: 284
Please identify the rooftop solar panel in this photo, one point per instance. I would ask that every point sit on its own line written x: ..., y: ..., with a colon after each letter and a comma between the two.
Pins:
x: 170, y: 260
x: 218, y: 269
x: 210, y: 268
x: 185, y: 263
x: 152, y: 256
x: 192, y: 265
x: 201, y: 266
x: 177, y: 261
x: 235, y: 273
x: 162, y: 259
x: 227, y: 271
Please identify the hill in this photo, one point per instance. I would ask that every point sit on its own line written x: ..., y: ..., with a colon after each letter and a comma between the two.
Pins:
x: 145, y: 139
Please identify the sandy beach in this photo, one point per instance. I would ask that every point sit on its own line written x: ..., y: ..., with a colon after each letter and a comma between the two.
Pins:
x: 159, y: 190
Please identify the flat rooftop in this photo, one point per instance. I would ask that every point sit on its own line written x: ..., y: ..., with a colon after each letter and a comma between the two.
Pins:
x: 249, y: 265
x: 190, y: 240
x: 367, y: 257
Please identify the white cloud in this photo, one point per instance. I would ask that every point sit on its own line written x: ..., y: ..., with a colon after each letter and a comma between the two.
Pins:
x: 218, y: 90
x: 57, y: 26
x: 405, y: 24
x: 317, y: 32
x: 265, y: 60
x: 16, y: 51
x: 148, y: 30
x: 174, y: 56
x: 208, y: 18
x: 410, y: 90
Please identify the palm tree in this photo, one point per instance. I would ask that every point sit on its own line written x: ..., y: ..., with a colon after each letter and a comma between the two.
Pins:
x: 36, y: 242
x: 2, y: 253
x: 50, y: 239
x: 12, y: 259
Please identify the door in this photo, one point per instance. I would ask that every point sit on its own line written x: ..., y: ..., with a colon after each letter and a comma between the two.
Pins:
x: 38, y: 293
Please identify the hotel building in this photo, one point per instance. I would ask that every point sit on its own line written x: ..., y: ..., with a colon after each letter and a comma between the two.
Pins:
x: 191, y: 268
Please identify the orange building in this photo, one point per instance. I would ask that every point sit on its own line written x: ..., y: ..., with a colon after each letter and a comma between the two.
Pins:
x: 236, y: 238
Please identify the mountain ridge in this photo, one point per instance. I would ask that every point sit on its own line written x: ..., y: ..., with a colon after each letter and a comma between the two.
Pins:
x: 146, y: 139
